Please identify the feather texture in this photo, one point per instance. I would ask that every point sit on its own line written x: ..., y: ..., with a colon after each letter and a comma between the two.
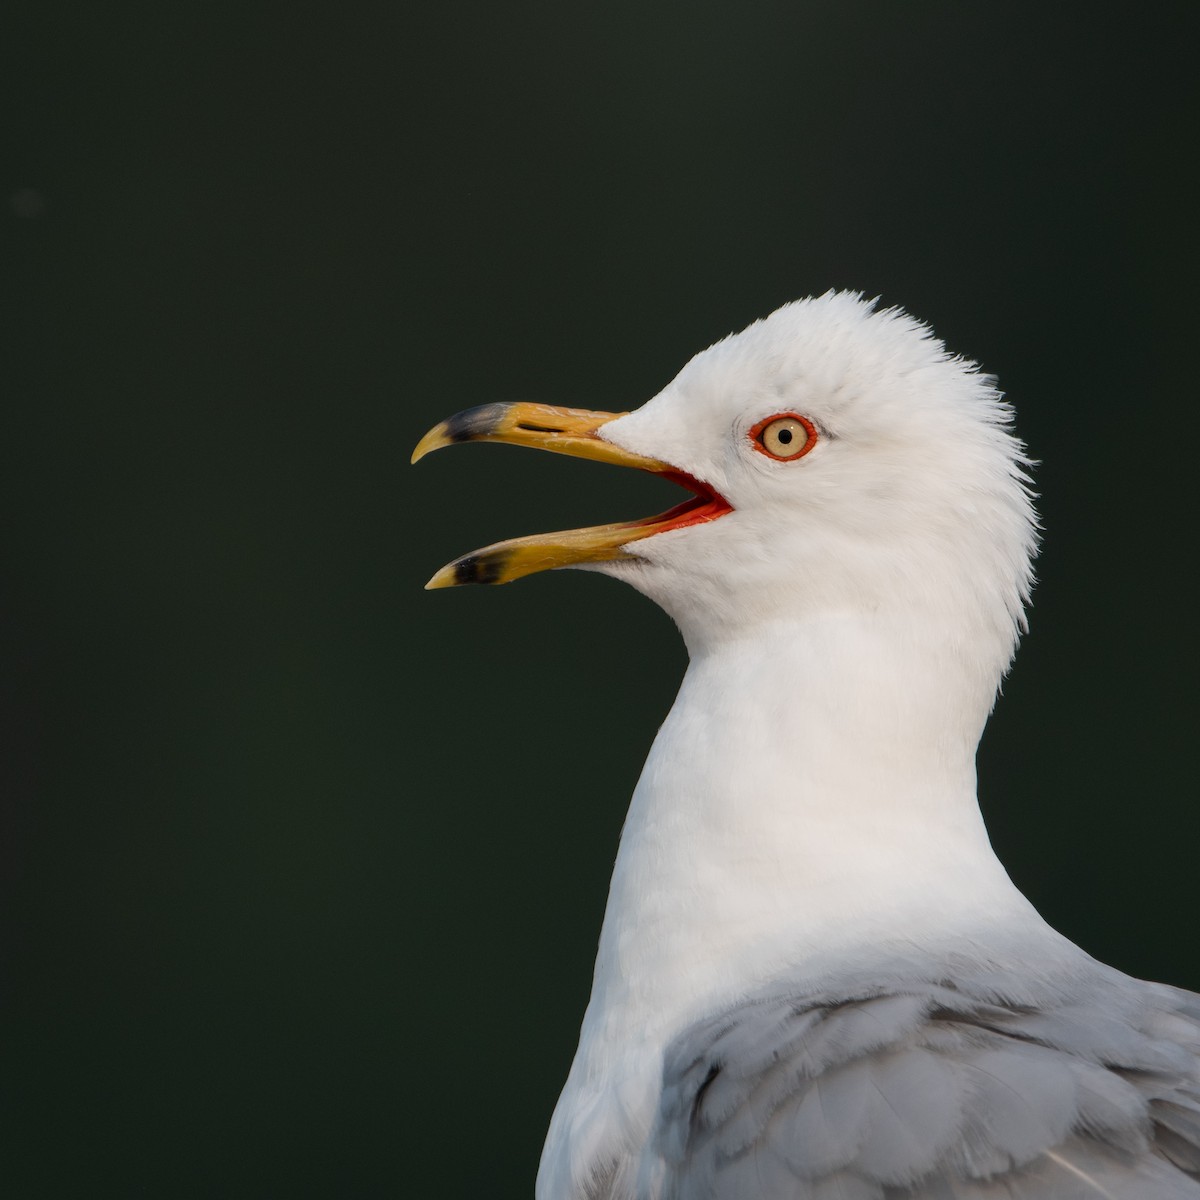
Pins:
x: 929, y: 1088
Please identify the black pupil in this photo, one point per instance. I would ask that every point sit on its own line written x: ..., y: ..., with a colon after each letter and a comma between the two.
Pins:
x: 785, y: 436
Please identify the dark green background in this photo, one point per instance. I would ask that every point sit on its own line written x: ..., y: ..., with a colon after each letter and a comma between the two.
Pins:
x: 304, y: 866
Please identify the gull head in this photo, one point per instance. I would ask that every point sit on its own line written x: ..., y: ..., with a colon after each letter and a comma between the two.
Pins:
x: 842, y: 464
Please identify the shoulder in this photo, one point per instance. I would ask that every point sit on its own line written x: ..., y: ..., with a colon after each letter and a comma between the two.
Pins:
x: 949, y: 1083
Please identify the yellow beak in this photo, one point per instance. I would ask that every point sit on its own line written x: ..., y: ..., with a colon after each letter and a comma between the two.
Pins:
x: 565, y: 431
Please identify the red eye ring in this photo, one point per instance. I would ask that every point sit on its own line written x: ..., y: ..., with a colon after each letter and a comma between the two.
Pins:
x: 761, y: 435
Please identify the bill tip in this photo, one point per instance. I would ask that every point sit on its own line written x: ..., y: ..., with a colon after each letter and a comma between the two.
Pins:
x: 442, y: 579
x: 435, y: 438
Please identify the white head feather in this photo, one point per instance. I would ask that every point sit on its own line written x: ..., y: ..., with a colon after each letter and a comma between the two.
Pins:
x: 916, y: 494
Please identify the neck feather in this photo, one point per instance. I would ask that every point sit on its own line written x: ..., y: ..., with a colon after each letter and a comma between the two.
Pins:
x: 813, y: 788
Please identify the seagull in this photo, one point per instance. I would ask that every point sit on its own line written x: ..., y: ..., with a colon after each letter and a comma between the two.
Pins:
x: 815, y: 980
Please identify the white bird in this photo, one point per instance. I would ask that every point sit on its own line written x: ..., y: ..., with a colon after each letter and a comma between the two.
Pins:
x: 815, y: 980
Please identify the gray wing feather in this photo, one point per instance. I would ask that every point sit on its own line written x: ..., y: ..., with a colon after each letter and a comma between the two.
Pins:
x: 996, y: 1086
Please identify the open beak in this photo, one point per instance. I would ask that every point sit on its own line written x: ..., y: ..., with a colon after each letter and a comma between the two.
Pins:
x: 565, y: 431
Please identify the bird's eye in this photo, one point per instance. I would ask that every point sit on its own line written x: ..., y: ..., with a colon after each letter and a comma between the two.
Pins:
x: 785, y: 437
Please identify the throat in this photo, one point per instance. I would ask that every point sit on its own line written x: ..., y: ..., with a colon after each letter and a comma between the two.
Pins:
x: 811, y: 790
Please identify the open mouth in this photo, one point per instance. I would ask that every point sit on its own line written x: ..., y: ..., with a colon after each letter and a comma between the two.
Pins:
x: 705, y: 504
x: 564, y: 431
